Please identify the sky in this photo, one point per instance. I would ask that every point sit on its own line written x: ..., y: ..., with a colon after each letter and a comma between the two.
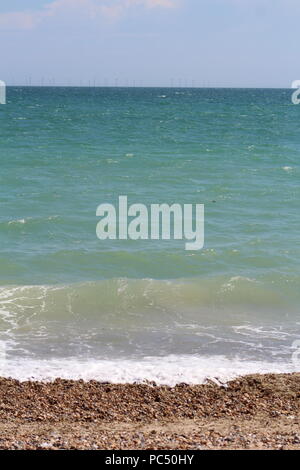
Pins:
x: 229, y: 43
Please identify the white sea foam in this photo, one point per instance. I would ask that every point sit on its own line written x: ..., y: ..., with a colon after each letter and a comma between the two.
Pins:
x: 20, y: 221
x: 170, y: 370
x: 287, y: 168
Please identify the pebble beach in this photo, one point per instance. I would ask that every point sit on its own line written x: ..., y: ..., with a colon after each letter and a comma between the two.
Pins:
x: 252, y: 412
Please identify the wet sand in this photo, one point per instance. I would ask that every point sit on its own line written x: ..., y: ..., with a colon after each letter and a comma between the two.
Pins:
x: 253, y: 412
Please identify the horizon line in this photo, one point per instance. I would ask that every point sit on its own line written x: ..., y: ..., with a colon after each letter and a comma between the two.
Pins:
x: 150, y: 86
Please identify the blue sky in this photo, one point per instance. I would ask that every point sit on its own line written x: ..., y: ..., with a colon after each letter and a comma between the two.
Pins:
x: 150, y: 42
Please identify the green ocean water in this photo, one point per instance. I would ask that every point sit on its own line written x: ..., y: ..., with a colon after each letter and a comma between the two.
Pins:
x: 70, y: 302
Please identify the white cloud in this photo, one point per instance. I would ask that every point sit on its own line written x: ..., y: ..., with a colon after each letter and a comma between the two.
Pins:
x: 18, y: 20
x: 25, y: 20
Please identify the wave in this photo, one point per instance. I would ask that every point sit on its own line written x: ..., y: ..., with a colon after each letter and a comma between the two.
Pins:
x: 217, y: 300
x: 108, y: 329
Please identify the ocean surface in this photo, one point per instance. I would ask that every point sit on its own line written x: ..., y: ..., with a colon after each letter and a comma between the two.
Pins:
x: 74, y: 306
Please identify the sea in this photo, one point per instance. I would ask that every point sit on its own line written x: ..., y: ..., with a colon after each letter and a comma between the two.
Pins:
x: 74, y: 306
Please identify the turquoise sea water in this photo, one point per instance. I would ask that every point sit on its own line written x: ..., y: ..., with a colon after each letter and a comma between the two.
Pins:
x: 72, y: 305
